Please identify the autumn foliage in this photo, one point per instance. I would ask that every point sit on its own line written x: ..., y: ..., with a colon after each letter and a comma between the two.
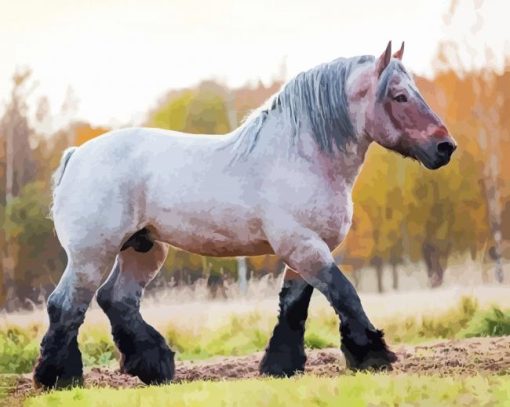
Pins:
x: 403, y: 213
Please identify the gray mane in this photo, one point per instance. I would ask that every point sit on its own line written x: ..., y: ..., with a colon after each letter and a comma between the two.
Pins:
x: 319, y: 95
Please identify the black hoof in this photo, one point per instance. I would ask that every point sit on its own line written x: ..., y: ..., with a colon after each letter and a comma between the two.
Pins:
x: 58, y: 369
x: 146, y: 356
x: 372, y: 355
x: 282, y: 363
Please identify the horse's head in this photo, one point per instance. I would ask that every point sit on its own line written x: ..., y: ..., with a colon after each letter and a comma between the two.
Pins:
x: 398, y: 118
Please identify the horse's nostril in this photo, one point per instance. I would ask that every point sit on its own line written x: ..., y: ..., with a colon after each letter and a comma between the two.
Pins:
x: 446, y: 148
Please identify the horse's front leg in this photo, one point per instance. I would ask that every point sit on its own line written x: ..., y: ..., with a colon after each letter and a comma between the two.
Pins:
x: 362, y: 344
x: 285, y: 353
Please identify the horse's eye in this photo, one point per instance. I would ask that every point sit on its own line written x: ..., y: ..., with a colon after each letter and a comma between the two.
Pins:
x: 400, y: 98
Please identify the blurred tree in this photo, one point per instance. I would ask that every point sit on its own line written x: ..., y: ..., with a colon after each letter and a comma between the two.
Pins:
x: 207, y: 111
x: 202, y: 110
x: 355, y: 251
x: 446, y: 214
x: 39, y: 260
x: 483, y: 98
x: 19, y: 165
x: 487, y: 110
x: 402, y: 211
x: 16, y: 134
x: 378, y: 196
x: 82, y: 132
x: 247, y: 98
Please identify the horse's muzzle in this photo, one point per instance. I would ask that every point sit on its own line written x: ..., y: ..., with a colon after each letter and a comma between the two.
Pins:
x: 437, y: 153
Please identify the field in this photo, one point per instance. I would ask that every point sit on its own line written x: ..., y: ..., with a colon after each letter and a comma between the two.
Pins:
x: 453, y: 346
x: 357, y: 390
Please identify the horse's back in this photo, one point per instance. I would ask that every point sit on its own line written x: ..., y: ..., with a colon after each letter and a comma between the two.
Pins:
x: 180, y: 184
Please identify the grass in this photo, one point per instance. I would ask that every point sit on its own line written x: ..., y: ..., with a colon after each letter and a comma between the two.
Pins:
x: 234, y: 330
x: 243, y: 328
x: 249, y: 333
x: 19, y: 348
x: 357, y: 390
x: 6, y: 383
x: 492, y: 323
x: 242, y: 334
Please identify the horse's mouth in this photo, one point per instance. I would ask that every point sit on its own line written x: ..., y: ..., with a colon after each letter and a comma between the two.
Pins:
x: 428, y: 153
x: 432, y: 163
x: 413, y: 154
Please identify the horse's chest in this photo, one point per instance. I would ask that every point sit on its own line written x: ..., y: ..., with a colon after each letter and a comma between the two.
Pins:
x: 331, y: 219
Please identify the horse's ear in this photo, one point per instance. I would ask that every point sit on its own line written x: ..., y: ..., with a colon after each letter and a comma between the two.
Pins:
x: 384, y: 60
x: 399, y: 53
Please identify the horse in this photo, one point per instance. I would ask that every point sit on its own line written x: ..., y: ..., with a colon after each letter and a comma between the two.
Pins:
x: 281, y: 184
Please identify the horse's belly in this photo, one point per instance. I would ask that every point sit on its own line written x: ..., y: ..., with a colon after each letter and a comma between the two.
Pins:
x: 222, y: 248
x: 214, y: 234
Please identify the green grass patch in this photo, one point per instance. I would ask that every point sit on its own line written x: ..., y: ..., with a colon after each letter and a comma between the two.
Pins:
x: 19, y: 348
x: 239, y: 335
x: 247, y: 333
x: 6, y: 383
x: 446, y: 325
x: 490, y: 323
x: 356, y: 390
x: 97, y: 346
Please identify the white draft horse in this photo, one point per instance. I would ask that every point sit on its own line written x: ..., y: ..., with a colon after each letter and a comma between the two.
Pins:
x: 281, y: 183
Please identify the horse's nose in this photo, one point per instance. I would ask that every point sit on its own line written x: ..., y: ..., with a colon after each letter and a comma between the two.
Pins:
x: 446, y: 148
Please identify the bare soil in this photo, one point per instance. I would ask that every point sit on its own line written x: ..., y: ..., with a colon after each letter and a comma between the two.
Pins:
x: 454, y: 357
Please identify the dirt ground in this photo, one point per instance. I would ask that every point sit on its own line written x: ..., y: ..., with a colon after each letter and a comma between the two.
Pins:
x: 456, y: 357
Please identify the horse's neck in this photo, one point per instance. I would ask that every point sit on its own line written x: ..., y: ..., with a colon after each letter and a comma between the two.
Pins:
x: 339, y: 168
x: 277, y: 142
x: 347, y: 165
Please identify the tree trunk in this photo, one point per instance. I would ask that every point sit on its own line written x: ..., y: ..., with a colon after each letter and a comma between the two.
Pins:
x: 495, y: 255
x: 7, y: 258
x: 494, y: 208
x: 378, y: 264
x: 486, y: 140
x: 394, y: 274
x: 242, y: 272
x: 435, y: 270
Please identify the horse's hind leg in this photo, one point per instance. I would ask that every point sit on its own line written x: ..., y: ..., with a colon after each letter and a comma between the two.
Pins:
x: 144, y: 352
x: 60, y: 363
x: 285, y: 353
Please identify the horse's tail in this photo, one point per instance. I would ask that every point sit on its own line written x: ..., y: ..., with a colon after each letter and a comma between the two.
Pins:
x: 59, y: 172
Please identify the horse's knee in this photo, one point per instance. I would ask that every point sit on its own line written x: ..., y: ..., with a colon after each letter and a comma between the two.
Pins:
x: 54, y: 308
x: 65, y: 310
x: 120, y: 301
x: 123, y: 313
x: 104, y: 295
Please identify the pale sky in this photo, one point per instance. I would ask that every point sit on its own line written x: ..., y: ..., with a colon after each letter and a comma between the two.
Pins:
x: 121, y: 56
